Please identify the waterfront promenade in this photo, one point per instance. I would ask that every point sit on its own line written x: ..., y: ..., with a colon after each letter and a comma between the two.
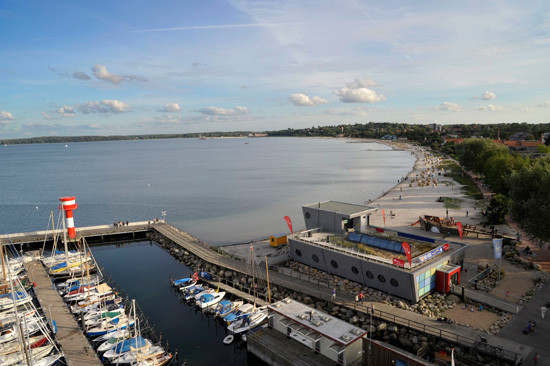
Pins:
x: 453, y: 333
x: 75, y: 346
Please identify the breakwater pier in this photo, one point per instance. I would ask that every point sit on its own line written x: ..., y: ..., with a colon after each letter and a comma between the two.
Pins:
x: 99, y: 234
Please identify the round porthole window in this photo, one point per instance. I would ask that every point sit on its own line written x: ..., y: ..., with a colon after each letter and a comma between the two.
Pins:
x: 394, y: 282
x: 381, y: 278
x: 298, y: 252
x: 354, y: 270
x: 370, y: 275
x: 308, y: 215
x: 315, y: 258
x: 334, y: 264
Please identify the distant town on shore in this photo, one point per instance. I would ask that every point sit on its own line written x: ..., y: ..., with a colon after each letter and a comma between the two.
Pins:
x: 433, y: 135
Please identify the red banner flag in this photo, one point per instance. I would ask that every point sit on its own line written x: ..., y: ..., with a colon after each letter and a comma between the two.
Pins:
x: 399, y: 262
x: 407, y: 250
x: 289, y: 223
x: 384, y: 216
x: 459, y: 226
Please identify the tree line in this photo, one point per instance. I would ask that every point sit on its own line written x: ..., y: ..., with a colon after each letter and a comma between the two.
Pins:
x: 521, y: 184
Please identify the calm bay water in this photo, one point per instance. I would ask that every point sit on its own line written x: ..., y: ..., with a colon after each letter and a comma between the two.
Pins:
x: 143, y: 271
x: 220, y: 190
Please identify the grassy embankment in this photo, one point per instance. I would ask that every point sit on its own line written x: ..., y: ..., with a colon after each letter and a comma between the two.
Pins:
x: 455, y: 172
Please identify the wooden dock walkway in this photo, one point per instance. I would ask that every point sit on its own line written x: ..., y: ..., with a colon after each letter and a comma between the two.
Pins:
x: 75, y: 346
x: 456, y: 334
x: 240, y: 294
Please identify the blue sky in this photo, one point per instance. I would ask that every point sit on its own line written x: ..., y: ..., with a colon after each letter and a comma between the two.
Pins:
x: 135, y: 67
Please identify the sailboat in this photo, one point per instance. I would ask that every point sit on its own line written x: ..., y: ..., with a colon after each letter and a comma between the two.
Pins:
x: 27, y: 349
x: 67, y: 264
x: 256, y: 316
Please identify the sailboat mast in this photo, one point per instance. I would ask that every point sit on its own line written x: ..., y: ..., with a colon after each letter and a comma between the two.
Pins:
x: 253, y: 277
x: 267, y: 275
x: 65, y: 244
x: 18, y: 322
x: 3, y: 264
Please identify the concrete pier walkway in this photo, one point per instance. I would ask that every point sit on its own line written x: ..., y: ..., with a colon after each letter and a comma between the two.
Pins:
x: 75, y: 346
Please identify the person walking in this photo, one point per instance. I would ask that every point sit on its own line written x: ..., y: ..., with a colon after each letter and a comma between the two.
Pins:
x: 356, y: 299
x: 361, y: 297
x: 536, y: 358
x: 333, y: 294
x: 543, y: 311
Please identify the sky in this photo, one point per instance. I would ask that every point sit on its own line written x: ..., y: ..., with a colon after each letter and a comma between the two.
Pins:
x: 141, y: 67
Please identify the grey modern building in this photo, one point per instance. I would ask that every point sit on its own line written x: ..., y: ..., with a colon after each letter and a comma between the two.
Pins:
x: 321, y: 332
x: 336, y: 231
x: 337, y: 217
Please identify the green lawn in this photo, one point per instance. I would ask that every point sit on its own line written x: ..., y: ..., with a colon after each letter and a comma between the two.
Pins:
x: 455, y: 172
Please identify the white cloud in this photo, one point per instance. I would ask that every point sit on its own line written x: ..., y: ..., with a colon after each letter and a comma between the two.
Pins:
x: 448, y: 106
x: 104, y: 106
x: 217, y: 111
x: 358, y: 92
x: 359, y: 95
x: 66, y: 111
x: 80, y: 75
x: 544, y: 105
x: 365, y: 82
x: 170, y: 107
x: 172, y: 119
x: 101, y: 73
x: 5, y: 117
x: 488, y: 95
x: 300, y: 99
x: 490, y: 108
x: 47, y: 116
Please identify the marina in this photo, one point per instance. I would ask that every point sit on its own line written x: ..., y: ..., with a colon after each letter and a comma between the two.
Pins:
x: 213, y: 256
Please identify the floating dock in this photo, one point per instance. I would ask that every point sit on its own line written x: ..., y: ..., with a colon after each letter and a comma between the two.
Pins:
x: 75, y: 346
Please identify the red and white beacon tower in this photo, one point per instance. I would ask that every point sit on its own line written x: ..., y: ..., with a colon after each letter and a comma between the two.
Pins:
x: 68, y: 204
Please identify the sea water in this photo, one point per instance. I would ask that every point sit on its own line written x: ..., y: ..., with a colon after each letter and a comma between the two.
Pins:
x: 220, y: 190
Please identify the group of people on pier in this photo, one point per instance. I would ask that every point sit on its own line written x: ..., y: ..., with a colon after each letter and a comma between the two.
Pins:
x: 120, y: 223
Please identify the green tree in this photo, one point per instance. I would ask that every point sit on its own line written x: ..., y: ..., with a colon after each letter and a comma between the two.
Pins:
x: 473, y: 153
x: 497, y: 210
x: 530, y: 199
x: 499, y: 168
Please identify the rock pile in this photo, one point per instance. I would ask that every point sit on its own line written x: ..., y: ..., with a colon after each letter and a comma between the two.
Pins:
x: 491, y: 279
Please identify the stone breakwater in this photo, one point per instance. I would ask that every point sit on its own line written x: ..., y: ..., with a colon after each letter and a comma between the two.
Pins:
x: 399, y: 336
x: 432, y: 306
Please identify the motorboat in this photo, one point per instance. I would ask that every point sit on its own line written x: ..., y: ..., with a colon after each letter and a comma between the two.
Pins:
x: 224, y: 307
x: 248, y: 322
x: 190, y: 292
x: 239, y: 312
x: 211, y: 299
